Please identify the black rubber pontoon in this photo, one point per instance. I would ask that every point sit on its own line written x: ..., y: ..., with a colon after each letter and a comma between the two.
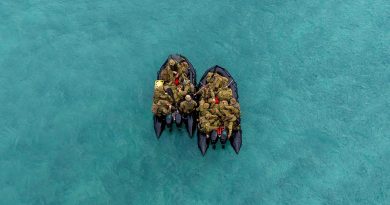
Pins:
x: 236, y: 138
x: 161, y: 122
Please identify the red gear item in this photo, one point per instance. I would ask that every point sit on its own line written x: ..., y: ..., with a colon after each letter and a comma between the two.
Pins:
x: 216, y: 100
x: 176, y: 81
x: 219, y: 130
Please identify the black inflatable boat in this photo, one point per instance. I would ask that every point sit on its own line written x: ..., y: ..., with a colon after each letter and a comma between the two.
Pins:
x: 177, y: 117
x: 236, y: 138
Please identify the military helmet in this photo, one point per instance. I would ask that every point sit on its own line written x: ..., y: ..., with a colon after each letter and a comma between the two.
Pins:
x: 171, y: 62
x: 184, y: 64
x: 233, y: 101
x: 206, y: 105
x: 188, y: 98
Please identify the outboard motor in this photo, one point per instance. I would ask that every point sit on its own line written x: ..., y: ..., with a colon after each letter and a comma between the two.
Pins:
x: 169, y: 121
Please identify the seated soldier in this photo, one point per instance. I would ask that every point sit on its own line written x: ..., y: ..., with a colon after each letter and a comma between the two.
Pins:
x: 206, y: 127
x: 182, y: 71
x: 203, y: 107
x: 214, y: 109
x: 188, y: 105
x: 212, y: 101
x: 189, y: 87
x: 236, y: 106
x: 160, y: 94
x: 167, y: 73
x: 201, y: 103
x: 180, y: 93
x: 206, y: 93
x: 216, y: 81
x: 208, y: 123
x: 225, y: 82
x: 161, y: 108
x: 225, y: 93
x: 210, y: 76
x: 205, y: 111
x: 228, y: 116
x: 213, y: 119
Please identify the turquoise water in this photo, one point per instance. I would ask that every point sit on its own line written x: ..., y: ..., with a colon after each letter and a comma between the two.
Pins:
x: 76, y: 81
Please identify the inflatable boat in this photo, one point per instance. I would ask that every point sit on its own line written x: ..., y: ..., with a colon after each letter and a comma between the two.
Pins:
x: 160, y: 122
x: 236, y: 137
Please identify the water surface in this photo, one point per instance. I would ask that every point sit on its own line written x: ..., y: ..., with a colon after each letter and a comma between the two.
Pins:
x: 76, y: 81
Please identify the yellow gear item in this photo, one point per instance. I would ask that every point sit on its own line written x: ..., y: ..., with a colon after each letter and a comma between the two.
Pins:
x: 158, y: 83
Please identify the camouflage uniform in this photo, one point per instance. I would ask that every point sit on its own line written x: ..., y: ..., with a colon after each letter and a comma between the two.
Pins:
x: 204, y: 112
x: 188, y: 105
x: 207, y: 94
x: 228, y: 116
x: 218, y: 82
x: 211, y: 77
x: 180, y: 93
x: 160, y: 94
x: 206, y: 127
x: 201, y: 103
x: 161, y: 108
x: 225, y: 93
x: 202, y: 107
x: 189, y: 87
x: 167, y: 73
x: 236, y: 107
x: 182, y: 70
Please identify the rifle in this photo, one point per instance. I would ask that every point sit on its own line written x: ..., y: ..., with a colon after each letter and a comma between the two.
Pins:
x: 202, y: 88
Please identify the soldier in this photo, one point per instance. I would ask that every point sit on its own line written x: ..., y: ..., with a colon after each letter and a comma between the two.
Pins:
x: 162, y: 108
x: 225, y: 93
x: 206, y: 128
x: 180, y: 93
x: 182, y: 70
x: 206, y: 123
x: 211, y: 77
x: 228, y: 116
x: 189, y: 87
x: 160, y: 94
x: 236, y: 106
x: 201, y: 103
x: 188, y: 105
x: 158, y: 91
x: 216, y: 81
x: 167, y: 74
x: 204, y: 109
x: 207, y: 93
x: 212, y: 119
